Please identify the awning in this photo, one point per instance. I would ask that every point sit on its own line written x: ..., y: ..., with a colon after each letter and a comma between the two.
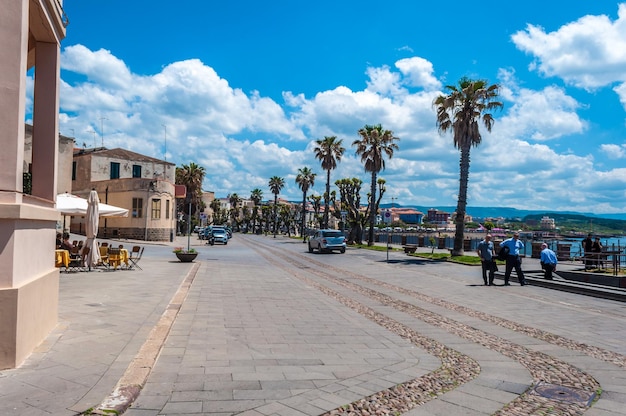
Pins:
x: 68, y: 204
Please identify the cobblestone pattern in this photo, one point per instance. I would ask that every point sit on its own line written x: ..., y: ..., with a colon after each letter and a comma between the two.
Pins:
x: 456, y: 368
x: 542, y: 366
x: 593, y: 351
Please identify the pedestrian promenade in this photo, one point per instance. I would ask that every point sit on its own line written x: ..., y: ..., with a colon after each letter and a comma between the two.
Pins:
x: 261, y: 327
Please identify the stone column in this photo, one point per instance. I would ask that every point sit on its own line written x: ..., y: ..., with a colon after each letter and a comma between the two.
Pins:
x: 45, y: 120
x: 29, y: 282
x: 14, y: 35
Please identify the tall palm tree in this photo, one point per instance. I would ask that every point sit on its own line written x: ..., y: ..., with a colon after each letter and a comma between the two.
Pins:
x: 191, y: 176
x: 234, y: 200
x: 256, y: 196
x: 328, y: 151
x: 276, y: 184
x: 461, y: 111
x: 305, y: 180
x: 374, y: 144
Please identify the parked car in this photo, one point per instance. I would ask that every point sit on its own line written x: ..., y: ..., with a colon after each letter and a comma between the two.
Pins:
x: 219, y: 235
x: 204, y: 232
x: 327, y: 240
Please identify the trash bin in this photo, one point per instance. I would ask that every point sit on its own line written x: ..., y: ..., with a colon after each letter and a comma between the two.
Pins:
x: 564, y: 251
x: 403, y: 239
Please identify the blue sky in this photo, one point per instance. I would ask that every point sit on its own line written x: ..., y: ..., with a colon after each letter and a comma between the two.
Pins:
x: 244, y: 88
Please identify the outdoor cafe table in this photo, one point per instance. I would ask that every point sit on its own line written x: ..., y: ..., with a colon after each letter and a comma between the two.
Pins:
x: 115, y: 261
x: 61, y: 258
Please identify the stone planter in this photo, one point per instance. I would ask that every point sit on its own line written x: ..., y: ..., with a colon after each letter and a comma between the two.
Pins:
x: 186, y: 257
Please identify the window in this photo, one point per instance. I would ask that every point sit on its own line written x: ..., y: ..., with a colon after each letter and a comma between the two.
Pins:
x: 74, y: 170
x: 156, y: 209
x: 136, y: 171
x: 167, y: 209
x: 137, y: 207
x: 115, y: 170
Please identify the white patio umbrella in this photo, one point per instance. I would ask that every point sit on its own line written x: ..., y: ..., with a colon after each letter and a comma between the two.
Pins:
x: 92, y: 220
x: 69, y: 204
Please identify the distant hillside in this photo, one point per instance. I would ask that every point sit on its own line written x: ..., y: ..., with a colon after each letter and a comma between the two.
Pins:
x: 575, y: 222
x: 566, y: 222
x: 513, y: 213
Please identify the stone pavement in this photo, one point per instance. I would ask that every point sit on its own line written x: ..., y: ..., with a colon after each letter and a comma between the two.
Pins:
x: 260, y: 327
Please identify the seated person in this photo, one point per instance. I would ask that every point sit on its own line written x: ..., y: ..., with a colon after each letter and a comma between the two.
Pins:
x: 59, y: 241
x: 65, y: 244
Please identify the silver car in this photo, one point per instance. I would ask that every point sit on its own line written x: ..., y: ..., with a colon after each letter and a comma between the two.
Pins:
x: 327, y: 240
x: 219, y: 236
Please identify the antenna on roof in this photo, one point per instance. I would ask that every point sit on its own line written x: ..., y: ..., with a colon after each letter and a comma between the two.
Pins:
x: 165, y: 138
x: 102, y: 129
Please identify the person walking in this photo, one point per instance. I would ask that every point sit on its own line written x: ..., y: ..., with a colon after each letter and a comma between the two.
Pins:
x: 587, y: 246
x: 548, y: 261
x: 486, y: 253
x: 513, y: 260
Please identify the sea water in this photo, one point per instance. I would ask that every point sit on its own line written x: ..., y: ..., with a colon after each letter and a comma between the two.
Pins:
x: 576, y: 249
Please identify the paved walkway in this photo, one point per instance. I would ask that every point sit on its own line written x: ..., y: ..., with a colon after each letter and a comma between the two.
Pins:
x: 260, y: 327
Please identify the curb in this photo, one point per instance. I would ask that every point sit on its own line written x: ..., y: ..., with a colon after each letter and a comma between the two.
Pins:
x: 129, y: 386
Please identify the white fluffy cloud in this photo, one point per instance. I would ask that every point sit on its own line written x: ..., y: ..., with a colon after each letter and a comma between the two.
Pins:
x: 188, y: 112
x: 419, y: 72
x: 540, y: 115
x: 614, y: 151
x: 589, y: 53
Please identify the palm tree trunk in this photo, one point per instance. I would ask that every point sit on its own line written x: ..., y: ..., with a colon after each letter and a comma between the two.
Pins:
x: 462, y: 202
x: 326, y: 199
x: 275, y: 214
x: 303, y: 216
x: 370, y: 235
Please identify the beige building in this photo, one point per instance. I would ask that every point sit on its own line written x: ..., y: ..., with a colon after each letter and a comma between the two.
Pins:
x: 206, y: 217
x: 548, y: 223
x: 31, y: 33
x: 64, y: 159
x: 142, y: 184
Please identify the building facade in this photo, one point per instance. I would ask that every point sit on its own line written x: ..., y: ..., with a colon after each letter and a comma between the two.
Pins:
x: 64, y: 159
x: 548, y: 223
x: 142, y: 184
x: 436, y: 216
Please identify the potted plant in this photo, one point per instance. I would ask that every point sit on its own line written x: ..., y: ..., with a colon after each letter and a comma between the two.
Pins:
x: 185, y: 256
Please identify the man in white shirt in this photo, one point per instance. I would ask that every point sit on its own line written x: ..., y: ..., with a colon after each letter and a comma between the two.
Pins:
x: 513, y: 260
x: 548, y: 261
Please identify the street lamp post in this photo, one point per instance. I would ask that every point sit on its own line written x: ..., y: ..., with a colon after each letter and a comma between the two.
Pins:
x: 150, y: 188
x: 189, y: 223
